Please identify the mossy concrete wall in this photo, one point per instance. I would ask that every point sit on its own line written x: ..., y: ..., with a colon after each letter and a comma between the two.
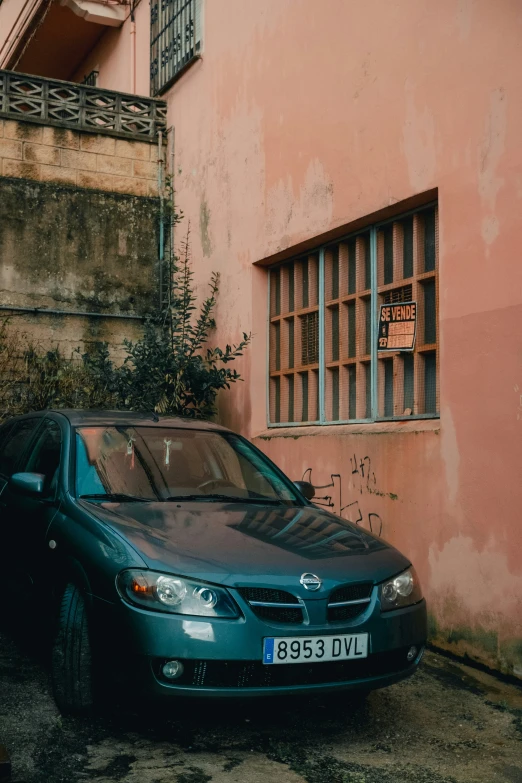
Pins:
x: 76, y: 249
x: 79, y: 221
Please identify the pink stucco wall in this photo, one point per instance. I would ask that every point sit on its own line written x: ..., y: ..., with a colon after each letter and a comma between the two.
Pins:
x: 112, y: 57
x: 302, y: 117
x: 14, y: 14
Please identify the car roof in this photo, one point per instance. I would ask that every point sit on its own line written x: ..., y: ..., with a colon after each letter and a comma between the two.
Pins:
x: 102, y: 418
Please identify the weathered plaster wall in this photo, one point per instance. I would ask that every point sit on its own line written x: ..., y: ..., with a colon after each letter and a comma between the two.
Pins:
x: 88, y: 160
x: 295, y: 123
x: 76, y: 248
x: 11, y: 12
x: 112, y: 57
x: 303, y: 117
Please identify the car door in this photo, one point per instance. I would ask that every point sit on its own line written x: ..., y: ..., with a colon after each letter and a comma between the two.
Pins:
x: 14, y: 440
x: 28, y: 518
x: 5, y: 429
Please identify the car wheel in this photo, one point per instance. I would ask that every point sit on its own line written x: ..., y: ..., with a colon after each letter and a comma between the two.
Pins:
x: 71, y: 655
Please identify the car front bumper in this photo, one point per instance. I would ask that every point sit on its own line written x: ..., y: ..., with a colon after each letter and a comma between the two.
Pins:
x: 224, y: 657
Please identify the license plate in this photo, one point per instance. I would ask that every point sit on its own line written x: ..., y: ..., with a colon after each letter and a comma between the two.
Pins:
x: 293, y: 649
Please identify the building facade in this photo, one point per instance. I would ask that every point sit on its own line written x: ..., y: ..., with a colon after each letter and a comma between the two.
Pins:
x: 354, y: 173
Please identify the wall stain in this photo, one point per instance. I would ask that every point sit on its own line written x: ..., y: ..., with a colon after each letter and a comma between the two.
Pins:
x: 77, y: 249
x: 204, y: 222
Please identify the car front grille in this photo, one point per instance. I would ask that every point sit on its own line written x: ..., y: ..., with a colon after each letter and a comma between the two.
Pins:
x: 267, y: 595
x: 264, y: 601
x: 337, y: 614
x: 254, y: 674
x: 279, y: 606
x: 351, y: 593
x: 348, y: 602
x: 279, y: 614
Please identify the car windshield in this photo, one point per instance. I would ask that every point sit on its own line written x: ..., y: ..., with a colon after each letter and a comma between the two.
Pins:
x: 167, y: 464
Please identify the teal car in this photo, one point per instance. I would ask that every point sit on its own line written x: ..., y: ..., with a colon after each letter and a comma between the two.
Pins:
x: 174, y: 558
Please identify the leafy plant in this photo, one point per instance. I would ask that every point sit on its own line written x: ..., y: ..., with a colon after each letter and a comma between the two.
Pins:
x: 11, y: 365
x: 171, y: 369
x: 32, y: 378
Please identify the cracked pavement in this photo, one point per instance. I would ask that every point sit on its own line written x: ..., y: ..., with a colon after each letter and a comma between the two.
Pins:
x: 448, y: 724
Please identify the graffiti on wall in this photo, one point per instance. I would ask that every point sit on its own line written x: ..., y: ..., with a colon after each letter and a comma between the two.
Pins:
x: 363, y: 481
x: 352, y: 513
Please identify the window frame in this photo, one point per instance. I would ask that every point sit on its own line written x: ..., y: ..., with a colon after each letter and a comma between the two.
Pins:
x: 371, y: 229
x: 36, y: 441
x: 159, y: 34
x: 26, y: 448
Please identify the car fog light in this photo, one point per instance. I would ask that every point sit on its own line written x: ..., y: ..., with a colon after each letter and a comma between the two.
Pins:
x: 172, y: 670
x: 412, y: 653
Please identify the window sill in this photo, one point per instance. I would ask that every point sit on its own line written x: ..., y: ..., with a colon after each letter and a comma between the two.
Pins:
x: 335, y: 430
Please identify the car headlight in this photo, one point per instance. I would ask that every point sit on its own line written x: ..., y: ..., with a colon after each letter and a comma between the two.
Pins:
x: 402, y: 590
x: 174, y: 594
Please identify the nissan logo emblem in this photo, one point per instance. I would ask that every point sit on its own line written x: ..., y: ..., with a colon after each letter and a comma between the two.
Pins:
x: 311, y: 582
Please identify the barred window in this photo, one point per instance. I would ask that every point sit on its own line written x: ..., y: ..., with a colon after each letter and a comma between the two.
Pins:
x: 175, y: 39
x: 326, y: 360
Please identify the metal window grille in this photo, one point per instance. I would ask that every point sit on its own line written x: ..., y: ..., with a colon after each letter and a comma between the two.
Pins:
x: 324, y: 310
x: 91, y: 80
x: 175, y: 39
x: 309, y: 338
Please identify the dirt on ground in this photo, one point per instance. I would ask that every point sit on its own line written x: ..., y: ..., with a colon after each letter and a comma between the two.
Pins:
x: 447, y: 724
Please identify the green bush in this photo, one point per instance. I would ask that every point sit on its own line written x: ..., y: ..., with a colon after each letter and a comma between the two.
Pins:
x: 169, y: 370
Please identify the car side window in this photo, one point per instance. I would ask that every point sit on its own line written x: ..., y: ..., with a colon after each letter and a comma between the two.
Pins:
x: 13, y: 446
x: 45, y: 456
x: 4, y: 432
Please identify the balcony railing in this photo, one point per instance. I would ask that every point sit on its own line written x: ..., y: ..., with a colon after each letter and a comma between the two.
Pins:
x: 80, y: 107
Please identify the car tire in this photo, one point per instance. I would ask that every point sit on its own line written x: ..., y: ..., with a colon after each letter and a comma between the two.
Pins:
x: 72, y: 655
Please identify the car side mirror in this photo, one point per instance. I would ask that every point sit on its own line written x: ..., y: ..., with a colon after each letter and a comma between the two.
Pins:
x: 306, y: 489
x: 31, y: 484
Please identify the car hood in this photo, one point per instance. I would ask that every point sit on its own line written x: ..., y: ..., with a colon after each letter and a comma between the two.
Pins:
x: 236, y: 544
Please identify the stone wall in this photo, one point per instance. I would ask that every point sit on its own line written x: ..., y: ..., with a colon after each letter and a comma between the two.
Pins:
x: 49, y: 154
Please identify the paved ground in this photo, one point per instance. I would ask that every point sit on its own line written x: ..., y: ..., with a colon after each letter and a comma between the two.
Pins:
x: 448, y: 724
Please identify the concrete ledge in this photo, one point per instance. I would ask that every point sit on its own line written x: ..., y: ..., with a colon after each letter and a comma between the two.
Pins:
x: 339, y: 430
x: 110, y: 15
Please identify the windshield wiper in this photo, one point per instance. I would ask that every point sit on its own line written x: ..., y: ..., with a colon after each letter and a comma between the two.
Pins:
x: 227, y: 498
x: 117, y: 497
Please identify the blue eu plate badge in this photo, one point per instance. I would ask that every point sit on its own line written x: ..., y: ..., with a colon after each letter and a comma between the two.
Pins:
x: 268, y: 651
